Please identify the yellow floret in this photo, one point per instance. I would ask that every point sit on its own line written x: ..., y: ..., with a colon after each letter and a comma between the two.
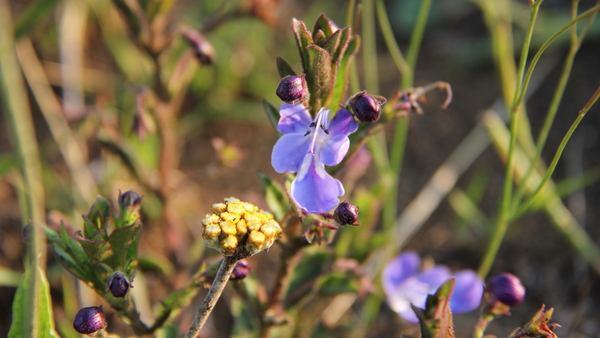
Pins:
x: 229, y: 216
x: 242, y: 228
x: 211, y: 219
x: 256, y: 241
x: 218, y: 208
x: 236, y: 209
x: 229, y: 245
x: 228, y: 228
x: 211, y: 235
x: 234, y: 223
x: 271, y: 229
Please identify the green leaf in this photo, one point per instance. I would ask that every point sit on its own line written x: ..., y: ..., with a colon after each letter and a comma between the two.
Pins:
x: 305, y: 275
x: 323, y: 24
x: 32, y: 307
x: 124, y: 244
x: 275, y: 196
x: 96, y: 251
x: 272, y: 114
x: 332, y: 43
x: 97, y: 218
x: 341, y: 77
x: 318, y: 78
x: 436, y: 319
x: 32, y: 16
x: 9, y: 277
x: 336, y: 283
x: 303, y: 40
x: 283, y: 67
x: 345, y: 38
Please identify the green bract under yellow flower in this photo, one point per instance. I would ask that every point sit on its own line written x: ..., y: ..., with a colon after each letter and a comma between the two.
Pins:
x: 241, y: 229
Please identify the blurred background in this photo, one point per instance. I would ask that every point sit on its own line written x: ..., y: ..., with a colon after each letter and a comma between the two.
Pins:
x: 116, y: 109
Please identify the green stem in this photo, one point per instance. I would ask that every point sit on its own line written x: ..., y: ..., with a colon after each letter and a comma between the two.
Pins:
x: 20, y: 123
x: 214, y: 293
x: 553, y: 109
x: 415, y: 42
x: 502, y: 221
x: 525, y: 52
x: 369, y: 42
x: 398, y: 147
x: 481, y: 325
x: 390, y: 41
x: 546, y: 44
x: 525, y: 206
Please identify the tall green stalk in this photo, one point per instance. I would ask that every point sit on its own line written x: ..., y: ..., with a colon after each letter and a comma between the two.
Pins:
x: 21, y: 126
x: 505, y: 215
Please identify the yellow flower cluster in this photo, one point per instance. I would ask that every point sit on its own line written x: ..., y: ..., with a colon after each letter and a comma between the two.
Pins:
x: 237, y: 228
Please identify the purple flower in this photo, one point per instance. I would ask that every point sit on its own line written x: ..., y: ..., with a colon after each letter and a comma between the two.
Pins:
x: 306, y: 147
x: 404, y: 284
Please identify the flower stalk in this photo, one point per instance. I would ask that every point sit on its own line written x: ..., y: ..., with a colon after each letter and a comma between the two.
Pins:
x: 214, y: 293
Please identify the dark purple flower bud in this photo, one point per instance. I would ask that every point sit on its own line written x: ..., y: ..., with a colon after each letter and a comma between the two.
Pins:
x: 118, y: 285
x: 129, y: 200
x: 366, y: 108
x: 240, y: 271
x: 292, y: 89
x: 346, y: 214
x: 203, y: 50
x: 507, y: 289
x: 89, y: 320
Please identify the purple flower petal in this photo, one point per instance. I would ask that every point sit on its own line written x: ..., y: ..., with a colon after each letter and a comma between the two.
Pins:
x: 468, y: 290
x: 314, y: 190
x: 334, y: 149
x: 294, y: 118
x: 343, y: 123
x: 411, y: 291
x: 289, y: 152
x: 434, y: 277
x: 399, y: 269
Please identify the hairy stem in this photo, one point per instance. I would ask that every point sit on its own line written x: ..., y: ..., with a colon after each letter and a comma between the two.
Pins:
x: 214, y: 293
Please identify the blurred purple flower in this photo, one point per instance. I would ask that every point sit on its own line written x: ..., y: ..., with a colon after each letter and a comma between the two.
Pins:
x: 306, y: 147
x: 404, y: 284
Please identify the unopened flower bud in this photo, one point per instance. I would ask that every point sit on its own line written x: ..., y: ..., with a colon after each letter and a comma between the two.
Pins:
x: 130, y: 204
x: 129, y: 200
x: 292, y: 89
x: 239, y: 229
x: 366, y: 108
x: 240, y: 271
x: 118, y: 285
x: 89, y: 320
x: 203, y: 50
x: 346, y: 214
x: 507, y: 289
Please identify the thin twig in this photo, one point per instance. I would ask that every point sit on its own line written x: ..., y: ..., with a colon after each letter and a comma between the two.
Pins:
x: 214, y: 293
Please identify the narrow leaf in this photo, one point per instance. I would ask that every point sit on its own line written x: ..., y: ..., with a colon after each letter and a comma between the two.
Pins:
x: 323, y: 24
x: 97, y: 251
x: 341, y: 78
x: 272, y: 114
x: 436, y: 319
x: 319, y: 79
x: 303, y: 40
x: 124, y: 243
x: 283, y: 68
x: 32, y: 307
x: 275, y: 196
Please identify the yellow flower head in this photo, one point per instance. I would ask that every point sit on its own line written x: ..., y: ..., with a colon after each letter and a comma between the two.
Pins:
x: 237, y: 228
